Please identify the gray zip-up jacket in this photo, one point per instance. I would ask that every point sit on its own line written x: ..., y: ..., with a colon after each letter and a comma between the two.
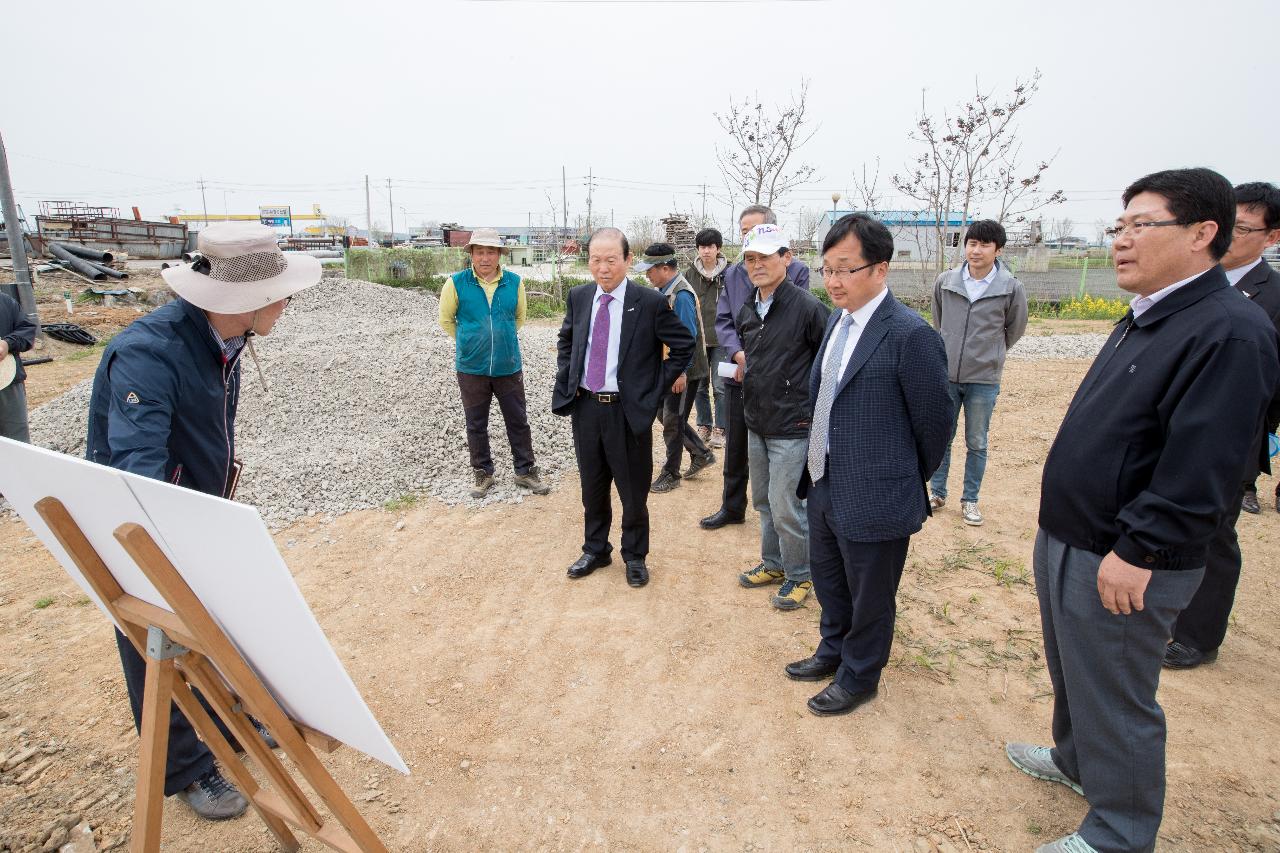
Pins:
x: 978, y: 334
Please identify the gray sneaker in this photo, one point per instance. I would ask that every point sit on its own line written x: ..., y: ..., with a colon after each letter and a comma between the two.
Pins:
x: 1038, y: 761
x: 481, y: 483
x: 529, y: 480
x: 969, y: 510
x: 214, y: 798
x: 1072, y: 843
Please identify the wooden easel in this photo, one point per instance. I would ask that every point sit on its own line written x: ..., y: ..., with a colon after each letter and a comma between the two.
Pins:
x: 185, y: 649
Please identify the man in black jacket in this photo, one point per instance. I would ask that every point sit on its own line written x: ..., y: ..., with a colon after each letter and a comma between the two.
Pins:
x: 17, y: 334
x: 781, y: 328
x: 610, y: 378
x: 1202, y: 626
x: 1143, y: 470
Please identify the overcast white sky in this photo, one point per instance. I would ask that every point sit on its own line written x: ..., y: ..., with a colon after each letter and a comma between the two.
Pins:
x: 472, y: 108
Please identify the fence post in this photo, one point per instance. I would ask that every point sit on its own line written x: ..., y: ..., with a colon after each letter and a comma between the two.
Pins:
x: 1084, y: 275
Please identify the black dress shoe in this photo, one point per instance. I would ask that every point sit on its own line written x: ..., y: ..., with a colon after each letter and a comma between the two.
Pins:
x: 719, y: 519
x: 1180, y: 656
x: 637, y: 573
x: 588, y: 563
x: 1249, y: 503
x: 834, y: 700
x: 812, y: 668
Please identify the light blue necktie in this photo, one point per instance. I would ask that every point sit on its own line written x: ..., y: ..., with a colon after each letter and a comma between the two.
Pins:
x: 826, y: 396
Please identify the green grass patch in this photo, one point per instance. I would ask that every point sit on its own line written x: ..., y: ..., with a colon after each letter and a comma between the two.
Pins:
x: 43, y: 602
x: 403, y: 502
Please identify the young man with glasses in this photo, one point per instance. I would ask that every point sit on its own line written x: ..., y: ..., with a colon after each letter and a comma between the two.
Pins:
x: 1144, y: 468
x: 981, y: 310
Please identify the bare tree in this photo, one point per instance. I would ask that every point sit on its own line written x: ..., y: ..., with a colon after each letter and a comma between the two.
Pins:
x: 972, y: 158
x: 643, y: 230
x: 866, y: 190
x: 762, y: 141
x: 1060, y: 229
x: 1100, y: 227
x: 807, y: 224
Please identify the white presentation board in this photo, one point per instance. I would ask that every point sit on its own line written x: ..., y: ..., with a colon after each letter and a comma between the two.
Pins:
x: 225, y: 554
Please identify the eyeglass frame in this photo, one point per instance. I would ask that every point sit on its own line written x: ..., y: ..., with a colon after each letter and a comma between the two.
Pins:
x: 826, y: 272
x: 1115, y: 232
x: 1245, y: 230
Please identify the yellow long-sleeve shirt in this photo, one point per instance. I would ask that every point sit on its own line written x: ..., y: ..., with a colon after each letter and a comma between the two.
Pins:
x: 449, y: 301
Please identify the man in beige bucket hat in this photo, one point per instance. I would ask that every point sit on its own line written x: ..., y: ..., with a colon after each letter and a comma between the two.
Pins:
x: 164, y: 406
x: 482, y: 308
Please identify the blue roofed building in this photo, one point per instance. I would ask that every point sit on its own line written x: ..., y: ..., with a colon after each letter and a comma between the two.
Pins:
x: 913, y: 231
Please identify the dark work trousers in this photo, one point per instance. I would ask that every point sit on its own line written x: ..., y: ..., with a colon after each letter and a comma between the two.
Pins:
x: 857, y: 586
x: 1252, y: 487
x: 1108, y: 728
x: 609, y: 452
x: 13, y: 412
x: 477, y: 391
x: 733, y: 499
x: 1203, y: 625
x: 676, y: 432
x: 188, y: 758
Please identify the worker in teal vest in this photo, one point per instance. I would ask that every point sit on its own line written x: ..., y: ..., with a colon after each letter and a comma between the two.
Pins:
x: 482, y: 308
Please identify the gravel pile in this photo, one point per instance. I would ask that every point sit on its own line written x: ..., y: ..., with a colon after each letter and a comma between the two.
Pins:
x: 1035, y: 347
x: 364, y: 408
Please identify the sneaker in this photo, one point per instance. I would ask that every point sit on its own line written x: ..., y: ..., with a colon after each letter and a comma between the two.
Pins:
x: 481, y: 483
x: 937, y: 501
x: 213, y: 798
x: 1038, y: 761
x: 666, y: 482
x: 761, y: 575
x: 791, y: 595
x: 529, y: 480
x: 717, y: 438
x: 704, y: 433
x: 1249, y: 503
x: 969, y: 510
x: 697, y: 463
x: 1072, y: 843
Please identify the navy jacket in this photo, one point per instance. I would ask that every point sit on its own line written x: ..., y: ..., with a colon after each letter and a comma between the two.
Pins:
x: 890, y: 424
x: 737, y: 291
x: 17, y: 331
x: 1154, y: 445
x: 1262, y: 285
x: 164, y: 401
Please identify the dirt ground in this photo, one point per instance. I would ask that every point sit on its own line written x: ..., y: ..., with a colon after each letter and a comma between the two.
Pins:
x: 542, y: 714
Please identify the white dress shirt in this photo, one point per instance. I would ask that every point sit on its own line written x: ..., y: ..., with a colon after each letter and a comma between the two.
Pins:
x: 1238, y: 273
x: 619, y: 295
x: 860, y: 319
x: 976, y: 287
x: 1139, y: 304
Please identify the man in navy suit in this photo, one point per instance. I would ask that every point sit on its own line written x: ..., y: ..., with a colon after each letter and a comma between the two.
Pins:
x: 881, y: 422
x: 611, y: 375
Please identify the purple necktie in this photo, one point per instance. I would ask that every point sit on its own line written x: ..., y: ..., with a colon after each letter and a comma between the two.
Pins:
x: 598, y: 358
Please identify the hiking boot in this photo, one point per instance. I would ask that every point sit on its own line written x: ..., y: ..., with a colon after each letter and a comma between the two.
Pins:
x: 761, y: 575
x: 529, y: 480
x: 1249, y: 503
x: 666, y: 482
x: 697, y: 463
x: 791, y: 595
x: 213, y: 798
x: 717, y: 438
x: 704, y: 433
x: 969, y: 511
x: 481, y: 483
x: 937, y: 501
x: 1037, y: 761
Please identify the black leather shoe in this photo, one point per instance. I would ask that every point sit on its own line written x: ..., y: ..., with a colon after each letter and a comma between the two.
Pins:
x: 812, y: 668
x: 719, y: 519
x: 1249, y: 503
x: 637, y: 573
x: 1180, y: 656
x: 834, y: 700
x: 588, y: 563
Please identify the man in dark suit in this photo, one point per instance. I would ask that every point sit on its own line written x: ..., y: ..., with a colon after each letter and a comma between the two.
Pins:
x: 881, y: 422
x: 1202, y: 627
x: 611, y: 375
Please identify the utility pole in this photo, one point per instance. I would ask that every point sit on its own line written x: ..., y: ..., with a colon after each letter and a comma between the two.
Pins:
x: 391, y: 208
x: 704, y: 204
x: 368, y: 210
x: 591, y: 185
x: 203, y: 204
x: 564, y: 199
x: 21, y: 290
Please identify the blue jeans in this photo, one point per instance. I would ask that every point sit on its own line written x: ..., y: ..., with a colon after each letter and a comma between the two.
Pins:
x: 702, y: 402
x: 775, y: 466
x: 978, y: 401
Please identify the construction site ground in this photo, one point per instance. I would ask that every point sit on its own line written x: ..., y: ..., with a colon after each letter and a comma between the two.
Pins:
x: 542, y: 714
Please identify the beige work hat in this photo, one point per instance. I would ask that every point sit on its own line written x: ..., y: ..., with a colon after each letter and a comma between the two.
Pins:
x: 8, y: 370
x: 241, y: 269
x: 485, y: 237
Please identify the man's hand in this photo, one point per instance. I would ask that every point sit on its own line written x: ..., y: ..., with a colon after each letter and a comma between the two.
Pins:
x: 741, y: 359
x: 1121, y: 585
x: 677, y: 387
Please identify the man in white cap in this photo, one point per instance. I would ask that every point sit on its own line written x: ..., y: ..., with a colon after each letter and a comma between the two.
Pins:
x: 17, y: 334
x: 482, y: 308
x: 164, y: 405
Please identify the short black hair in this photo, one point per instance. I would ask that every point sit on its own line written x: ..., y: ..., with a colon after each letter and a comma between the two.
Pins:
x: 709, y: 237
x: 1260, y: 195
x: 987, y: 231
x: 615, y: 234
x: 875, y: 239
x: 662, y: 250
x: 1193, y: 195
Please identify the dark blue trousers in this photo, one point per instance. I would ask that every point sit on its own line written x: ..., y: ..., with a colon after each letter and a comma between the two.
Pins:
x: 857, y: 586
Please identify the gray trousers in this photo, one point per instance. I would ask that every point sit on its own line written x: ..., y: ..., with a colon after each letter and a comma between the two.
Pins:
x: 13, y: 412
x: 1108, y: 728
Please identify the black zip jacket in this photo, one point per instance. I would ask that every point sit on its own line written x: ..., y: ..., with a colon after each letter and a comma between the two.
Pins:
x: 17, y: 331
x: 780, y: 350
x: 1153, y: 447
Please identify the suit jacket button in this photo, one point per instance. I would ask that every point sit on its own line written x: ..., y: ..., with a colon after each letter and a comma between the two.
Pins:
x: 1149, y: 558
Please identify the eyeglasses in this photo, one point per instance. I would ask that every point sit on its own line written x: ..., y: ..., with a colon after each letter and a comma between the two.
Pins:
x: 1139, y: 227
x: 1245, y: 230
x: 828, y: 272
